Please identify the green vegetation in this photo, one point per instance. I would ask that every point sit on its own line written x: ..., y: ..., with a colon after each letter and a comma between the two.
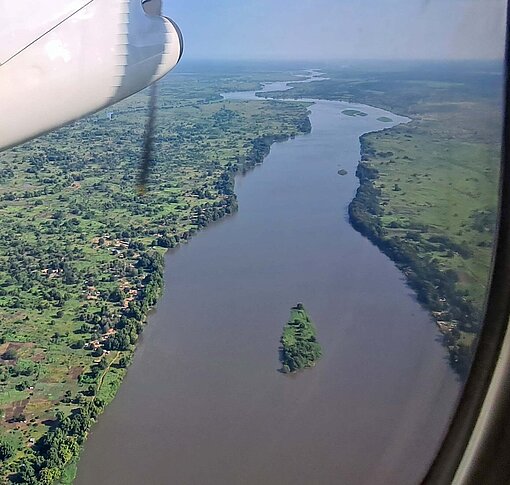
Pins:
x: 7, y: 448
x: 300, y: 348
x: 385, y: 119
x: 353, y: 112
x: 81, y: 254
x: 428, y: 194
x: 423, y: 216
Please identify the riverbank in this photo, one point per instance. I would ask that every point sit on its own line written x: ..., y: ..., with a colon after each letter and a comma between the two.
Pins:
x: 261, y: 147
x: 208, y: 360
x: 94, y: 253
x: 435, y: 289
x: 428, y: 195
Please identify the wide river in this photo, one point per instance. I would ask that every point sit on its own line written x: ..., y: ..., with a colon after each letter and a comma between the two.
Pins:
x: 203, y: 402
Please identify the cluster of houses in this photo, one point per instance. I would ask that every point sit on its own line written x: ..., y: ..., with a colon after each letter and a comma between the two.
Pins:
x: 98, y: 344
x: 445, y: 326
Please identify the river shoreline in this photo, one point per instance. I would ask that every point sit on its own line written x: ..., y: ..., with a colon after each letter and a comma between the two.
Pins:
x: 261, y: 148
x: 154, y: 328
x: 78, y: 425
x: 366, y: 203
x: 445, y: 304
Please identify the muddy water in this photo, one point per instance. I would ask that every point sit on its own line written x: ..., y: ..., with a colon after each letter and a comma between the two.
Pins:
x: 203, y: 403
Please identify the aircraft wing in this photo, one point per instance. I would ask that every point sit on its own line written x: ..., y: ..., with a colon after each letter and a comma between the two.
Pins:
x: 64, y: 59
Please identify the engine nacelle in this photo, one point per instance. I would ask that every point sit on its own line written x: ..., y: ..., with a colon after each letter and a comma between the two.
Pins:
x: 64, y: 59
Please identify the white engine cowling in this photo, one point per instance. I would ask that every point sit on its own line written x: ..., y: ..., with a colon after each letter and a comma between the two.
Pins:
x: 64, y: 59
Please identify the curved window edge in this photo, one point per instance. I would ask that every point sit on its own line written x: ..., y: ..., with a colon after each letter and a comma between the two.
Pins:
x: 475, y: 448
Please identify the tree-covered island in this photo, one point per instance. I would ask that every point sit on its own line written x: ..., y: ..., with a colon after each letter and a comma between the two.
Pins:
x: 300, y: 348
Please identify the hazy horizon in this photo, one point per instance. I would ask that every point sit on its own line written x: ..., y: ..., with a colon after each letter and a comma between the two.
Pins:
x: 320, y: 62
x: 341, y: 30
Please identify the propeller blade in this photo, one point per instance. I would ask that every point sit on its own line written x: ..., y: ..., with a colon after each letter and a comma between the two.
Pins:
x: 148, y: 142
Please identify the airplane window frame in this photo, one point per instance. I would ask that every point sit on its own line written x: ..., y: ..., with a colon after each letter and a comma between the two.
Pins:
x: 475, y: 449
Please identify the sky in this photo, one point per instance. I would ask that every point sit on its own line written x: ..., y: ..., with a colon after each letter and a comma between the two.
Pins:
x: 340, y: 29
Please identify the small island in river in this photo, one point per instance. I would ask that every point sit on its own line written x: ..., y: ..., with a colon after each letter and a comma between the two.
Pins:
x: 300, y: 348
x: 353, y: 112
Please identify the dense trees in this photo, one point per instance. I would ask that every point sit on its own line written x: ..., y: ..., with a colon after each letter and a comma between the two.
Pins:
x: 299, y: 348
x: 59, y: 446
x: 7, y: 449
x: 435, y: 287
x: 81, y: 258
x: 439, y: 171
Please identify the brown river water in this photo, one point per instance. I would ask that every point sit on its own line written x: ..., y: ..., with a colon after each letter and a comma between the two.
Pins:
x: 203, y: 402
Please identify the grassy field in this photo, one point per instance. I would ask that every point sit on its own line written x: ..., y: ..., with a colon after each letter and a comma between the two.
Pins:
x: 450, y: 195
x: 80, y: 250
x: 429, y: 188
